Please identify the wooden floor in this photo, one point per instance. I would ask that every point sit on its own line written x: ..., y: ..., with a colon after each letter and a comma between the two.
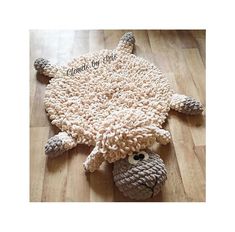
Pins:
x: 181, y: 56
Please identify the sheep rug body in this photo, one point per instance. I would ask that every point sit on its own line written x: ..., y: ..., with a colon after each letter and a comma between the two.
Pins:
x: 116, y: 102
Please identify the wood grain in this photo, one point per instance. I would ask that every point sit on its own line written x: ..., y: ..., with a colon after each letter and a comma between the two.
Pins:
x: 181, y: 56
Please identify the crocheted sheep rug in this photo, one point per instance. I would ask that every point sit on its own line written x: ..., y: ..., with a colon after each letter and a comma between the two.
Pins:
x: 116, y: 102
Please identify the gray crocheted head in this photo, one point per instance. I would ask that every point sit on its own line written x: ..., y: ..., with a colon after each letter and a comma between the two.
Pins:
x: 141, y: 175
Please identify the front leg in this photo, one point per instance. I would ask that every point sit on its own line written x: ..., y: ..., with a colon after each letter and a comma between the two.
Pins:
x: 185, y: 104
x: 162, y: 136
x: 59, y: 143
x: 126, y: 43
x: 93, y: 161
x: 46, y: 68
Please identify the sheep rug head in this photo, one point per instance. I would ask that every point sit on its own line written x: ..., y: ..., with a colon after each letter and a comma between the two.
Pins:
x: 116, y: 102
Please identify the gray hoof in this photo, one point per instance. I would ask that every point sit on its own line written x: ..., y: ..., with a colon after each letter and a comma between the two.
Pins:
x: 128, y: 37
x: 186, y: 104
x: 40, y: 64
x: 192, y: 106
x: 54, y: 147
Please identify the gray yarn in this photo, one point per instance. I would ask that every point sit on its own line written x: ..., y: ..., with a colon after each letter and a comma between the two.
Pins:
x: 191, y: 106
x: 186, y: 104
x: 59, y: 143
x: 128, y: 37
x: 45, y: 68
x: 142, y: 180
x: 40, y: 65
x: 54, y: 147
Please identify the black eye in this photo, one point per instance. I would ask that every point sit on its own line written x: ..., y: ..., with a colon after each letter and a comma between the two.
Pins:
x: 141, y: 156
x: 136, y: 157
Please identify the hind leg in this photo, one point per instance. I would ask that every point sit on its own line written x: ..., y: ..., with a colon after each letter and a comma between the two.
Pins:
x: 59, y: 143
x: 126, y: 43
x: 93, y: 161
x: 185, y: 104
x: 47, y: 69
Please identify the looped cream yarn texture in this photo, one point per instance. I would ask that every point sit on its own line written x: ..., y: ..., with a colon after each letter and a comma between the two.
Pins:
x: 117, y: 102
x: 112, y: 100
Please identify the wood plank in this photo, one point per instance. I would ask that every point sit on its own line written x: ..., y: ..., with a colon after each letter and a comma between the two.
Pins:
x: 189, y: 73
x: 197, y: 90
x: 55, y: 179
x: 200, y: 37
x: 197, y: 71
x: 142, y: 46
x: 39, y: 117
x: 187, y: 39
x: 158, y: 48
x: 111, y: 38
x: 38, y: 137
x: 78, y: 187
x: 189, y: 165
x: 96, y: 40
x: 175, y: 59
x: 101, y: 184
x: 190, y: 168
x: 200, y: 152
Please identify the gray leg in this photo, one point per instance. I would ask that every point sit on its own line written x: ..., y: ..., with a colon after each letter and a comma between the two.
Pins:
x: 44, y: 67
x: 126, y: 43
x: 59, y: 143
x: 185, y: 104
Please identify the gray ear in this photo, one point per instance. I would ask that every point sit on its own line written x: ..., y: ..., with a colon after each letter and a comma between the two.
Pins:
x: 126, y: 43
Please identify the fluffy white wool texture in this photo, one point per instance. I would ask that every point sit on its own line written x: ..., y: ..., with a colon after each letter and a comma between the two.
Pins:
x: 118, y: 106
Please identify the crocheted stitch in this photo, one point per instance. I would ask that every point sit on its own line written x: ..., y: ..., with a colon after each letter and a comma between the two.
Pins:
x: 185, y: 104
x: 140, y: 180
x: 118, y: 107
x: 59, y: 144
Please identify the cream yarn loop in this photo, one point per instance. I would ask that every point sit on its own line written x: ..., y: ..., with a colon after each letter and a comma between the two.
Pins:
x: 118, y: 107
